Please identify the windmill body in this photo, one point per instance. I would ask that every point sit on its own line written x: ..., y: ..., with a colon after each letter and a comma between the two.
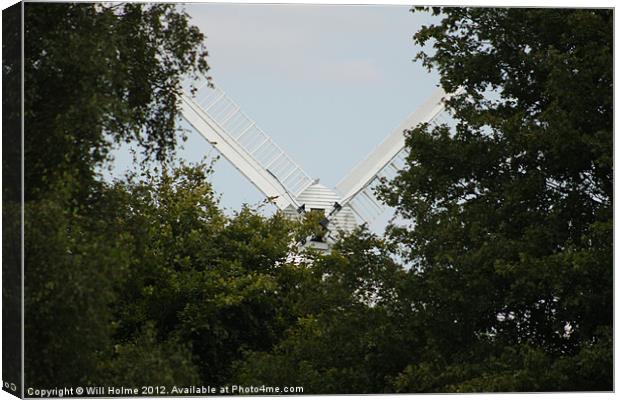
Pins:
x: 351, y: 203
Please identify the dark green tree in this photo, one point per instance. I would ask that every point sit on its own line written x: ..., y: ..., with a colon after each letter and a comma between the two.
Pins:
x: 73, y: 266
x: 198, y: 276
x: 510, y: 239
x: 158, y: 286
x: 147, y: 281
x: 348, y: 335
x: 96, y: 75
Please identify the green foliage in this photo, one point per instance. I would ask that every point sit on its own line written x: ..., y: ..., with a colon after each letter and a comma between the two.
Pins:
x: 101, y: 74
x: 151, y: 284
x: 147, y: 281
x: 513, y: 369
x: 148, y: 361
x: 511, y: 240
x: 199, y: 275
x: 72, y: 265
x: 95, y: 75
x: 347, y: 337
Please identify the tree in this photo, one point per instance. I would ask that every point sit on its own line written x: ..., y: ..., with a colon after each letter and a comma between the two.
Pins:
x: 99, y: 74
x: 198, y: 276
x: 158, y: 285
x: 146, y: 280
x: 95, y: 75
x: 73, y: 266
x: 511, y: 209
x: 347, y: 335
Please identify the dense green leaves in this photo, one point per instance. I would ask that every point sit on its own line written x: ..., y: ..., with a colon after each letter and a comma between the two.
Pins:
x: 511, y: 209
x: 508, y: 245
x: 94, y: 75
x: 510, y: 234
x: 73, y: 266
x: 97, y: 75
x: 151, y: 284
x: 348, y: 336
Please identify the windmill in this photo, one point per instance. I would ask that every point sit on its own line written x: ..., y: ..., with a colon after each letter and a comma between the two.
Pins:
x: 213, y: 114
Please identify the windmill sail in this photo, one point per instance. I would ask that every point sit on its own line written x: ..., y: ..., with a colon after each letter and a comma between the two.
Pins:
x: 358, y: 187
x: 237, y: 137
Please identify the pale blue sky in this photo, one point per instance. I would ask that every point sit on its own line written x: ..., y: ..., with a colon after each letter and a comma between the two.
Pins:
x: 326, y: 82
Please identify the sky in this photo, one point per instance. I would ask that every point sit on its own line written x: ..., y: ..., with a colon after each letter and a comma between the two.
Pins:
x: 327, y: 82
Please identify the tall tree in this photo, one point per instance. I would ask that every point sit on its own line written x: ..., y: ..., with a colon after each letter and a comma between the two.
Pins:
x: 95, y: 75
x: 349, y: 334
x: 100, y: 74
x: 511, y: 210
x: 198, y: 276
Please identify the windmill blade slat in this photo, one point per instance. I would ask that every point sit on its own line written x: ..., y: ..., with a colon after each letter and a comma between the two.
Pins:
x: 362, y: 209
x: 220, y: 120
x: 372, y: 200
x: 364, y: 172
x: 244, y: 131
x: 385, y: 161
x: 258, y: 147
x: 353, y: 208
